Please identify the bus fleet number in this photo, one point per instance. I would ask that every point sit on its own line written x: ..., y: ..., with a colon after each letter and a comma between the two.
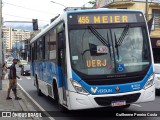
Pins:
x: 83, y: 20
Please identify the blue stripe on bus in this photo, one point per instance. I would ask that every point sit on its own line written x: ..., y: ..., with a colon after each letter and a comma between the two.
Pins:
x: 111, y: 89
x: 46, y: 71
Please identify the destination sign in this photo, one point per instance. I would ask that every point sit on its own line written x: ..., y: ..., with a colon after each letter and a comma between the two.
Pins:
x: 104, y: 18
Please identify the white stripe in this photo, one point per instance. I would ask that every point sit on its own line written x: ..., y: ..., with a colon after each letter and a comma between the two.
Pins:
x: 136, y: 105
x: 51, y: 118
x: 28, y: 77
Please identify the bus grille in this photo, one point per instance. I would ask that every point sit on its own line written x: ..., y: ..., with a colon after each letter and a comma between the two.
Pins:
x: 106, y: 101
x: 114, y: 81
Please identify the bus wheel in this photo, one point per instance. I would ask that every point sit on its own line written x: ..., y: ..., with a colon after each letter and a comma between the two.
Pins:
x: 37, y: 86
x: 157, y: 92
x: 55, y: 91
x: 56, y: 98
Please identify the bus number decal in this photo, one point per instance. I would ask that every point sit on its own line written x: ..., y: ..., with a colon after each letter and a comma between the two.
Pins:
x: 83, y: 20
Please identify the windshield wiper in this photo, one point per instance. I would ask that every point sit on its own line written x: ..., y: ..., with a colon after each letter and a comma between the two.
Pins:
x: 121, y: 38
x: 123, y: 35
x: 100, y: 37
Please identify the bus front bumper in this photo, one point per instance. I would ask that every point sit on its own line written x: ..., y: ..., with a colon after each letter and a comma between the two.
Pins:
x: 80, y: 101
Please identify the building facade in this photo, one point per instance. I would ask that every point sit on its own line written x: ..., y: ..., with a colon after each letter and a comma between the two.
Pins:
x: 151, y: 8
x: 11, y: 36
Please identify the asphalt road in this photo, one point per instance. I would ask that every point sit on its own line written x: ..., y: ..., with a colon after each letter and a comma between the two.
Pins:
x: 49, y: 105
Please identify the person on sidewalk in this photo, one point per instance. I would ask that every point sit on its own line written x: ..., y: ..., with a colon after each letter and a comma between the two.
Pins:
x: 13, y: 81
x: 4, y: 71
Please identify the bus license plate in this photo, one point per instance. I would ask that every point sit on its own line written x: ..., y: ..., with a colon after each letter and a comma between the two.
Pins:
x: 118, y: 103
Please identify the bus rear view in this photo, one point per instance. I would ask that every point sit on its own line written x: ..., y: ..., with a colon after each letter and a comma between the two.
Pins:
x: 110, y: 59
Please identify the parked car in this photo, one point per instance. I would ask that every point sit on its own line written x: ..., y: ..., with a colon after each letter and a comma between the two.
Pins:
x: 157, y: 77
x: 22, y: 62
x: 25, y: 70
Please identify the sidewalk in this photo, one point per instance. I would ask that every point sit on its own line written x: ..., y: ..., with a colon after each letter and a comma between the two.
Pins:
x: 15, y: 105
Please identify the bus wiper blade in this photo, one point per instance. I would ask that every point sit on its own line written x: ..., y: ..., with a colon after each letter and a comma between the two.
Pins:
x: 116, y: 46
x: 123, y: 35
x: 102, y: 39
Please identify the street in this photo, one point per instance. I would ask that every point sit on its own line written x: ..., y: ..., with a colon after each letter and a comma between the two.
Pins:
x: 49, y: 105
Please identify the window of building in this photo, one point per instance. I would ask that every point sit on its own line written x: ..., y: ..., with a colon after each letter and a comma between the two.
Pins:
x: 156, y: 21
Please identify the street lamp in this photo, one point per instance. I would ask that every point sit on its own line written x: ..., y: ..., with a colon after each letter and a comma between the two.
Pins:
x: 58, y: 3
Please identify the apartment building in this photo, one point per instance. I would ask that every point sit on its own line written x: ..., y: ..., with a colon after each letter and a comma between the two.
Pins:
x: 11, y: 36
x: 150, y: 9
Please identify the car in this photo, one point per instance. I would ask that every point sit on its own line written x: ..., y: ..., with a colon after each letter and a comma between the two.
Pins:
x: 25, y: 70
x: 9, y: 63
x: 22, y: 62
x: 157, y: 77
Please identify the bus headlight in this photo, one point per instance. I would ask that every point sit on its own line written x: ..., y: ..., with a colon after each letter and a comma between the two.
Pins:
x: 78, y: 87
x: 149, y: 82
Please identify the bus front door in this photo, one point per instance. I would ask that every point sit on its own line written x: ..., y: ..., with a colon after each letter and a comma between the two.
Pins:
x: 63, y: 65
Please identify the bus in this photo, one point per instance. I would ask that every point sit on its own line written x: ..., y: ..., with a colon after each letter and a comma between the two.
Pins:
x: 94, y: 58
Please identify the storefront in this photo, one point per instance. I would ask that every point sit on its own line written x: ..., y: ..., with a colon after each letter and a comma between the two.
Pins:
x: 156, y: 49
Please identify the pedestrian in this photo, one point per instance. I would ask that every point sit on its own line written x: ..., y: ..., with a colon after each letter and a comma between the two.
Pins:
x: 4, y: 71
x: 13, y: 81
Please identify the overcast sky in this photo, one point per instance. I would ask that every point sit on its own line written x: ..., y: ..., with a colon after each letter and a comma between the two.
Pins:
x: 43, y: 10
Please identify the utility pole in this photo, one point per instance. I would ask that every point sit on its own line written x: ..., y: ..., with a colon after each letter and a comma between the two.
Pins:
x: 146, y: 10
x: 1, y: 59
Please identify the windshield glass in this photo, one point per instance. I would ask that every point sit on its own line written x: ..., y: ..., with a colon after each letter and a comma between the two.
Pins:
x: 96, y: 52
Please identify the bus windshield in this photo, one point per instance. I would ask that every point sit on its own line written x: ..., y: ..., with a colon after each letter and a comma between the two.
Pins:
x: 100, y: 51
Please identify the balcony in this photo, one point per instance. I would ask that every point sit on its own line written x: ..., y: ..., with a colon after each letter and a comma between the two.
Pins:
x: 156, y: 21
x: 155, y: 30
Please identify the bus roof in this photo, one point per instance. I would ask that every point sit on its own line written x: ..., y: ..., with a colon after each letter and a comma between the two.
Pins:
x: 59, y: 18
x: 102, y: 10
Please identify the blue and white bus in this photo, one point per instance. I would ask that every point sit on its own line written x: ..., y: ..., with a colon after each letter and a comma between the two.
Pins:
x: 94, y: 58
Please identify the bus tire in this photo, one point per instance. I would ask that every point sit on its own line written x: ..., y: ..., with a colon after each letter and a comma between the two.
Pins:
x: 55, y: 91
x: 157, y: 92
x: 37, y: 86
x: 56, y: 98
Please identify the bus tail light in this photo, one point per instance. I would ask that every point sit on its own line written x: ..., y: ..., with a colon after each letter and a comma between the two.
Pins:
x: 78, y: 87
x: 149, y: 82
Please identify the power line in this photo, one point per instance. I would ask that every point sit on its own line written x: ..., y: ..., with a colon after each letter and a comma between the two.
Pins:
x: 29, y: 8
x: 23, y: 17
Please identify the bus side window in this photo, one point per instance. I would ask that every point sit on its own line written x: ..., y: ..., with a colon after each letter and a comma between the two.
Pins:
x: 52, y: 44
x: 46, y: 47
x: 43, y: 48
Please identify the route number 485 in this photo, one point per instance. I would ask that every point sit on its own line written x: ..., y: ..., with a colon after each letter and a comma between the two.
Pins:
x: 83, y: 20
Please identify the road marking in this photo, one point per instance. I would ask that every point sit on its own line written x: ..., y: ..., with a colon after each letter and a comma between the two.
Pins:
x: 47, y: 114
x: 136, y: 105
x: 28, y: 78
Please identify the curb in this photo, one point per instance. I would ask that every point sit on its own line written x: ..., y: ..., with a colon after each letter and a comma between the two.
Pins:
x: 34, y: 102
